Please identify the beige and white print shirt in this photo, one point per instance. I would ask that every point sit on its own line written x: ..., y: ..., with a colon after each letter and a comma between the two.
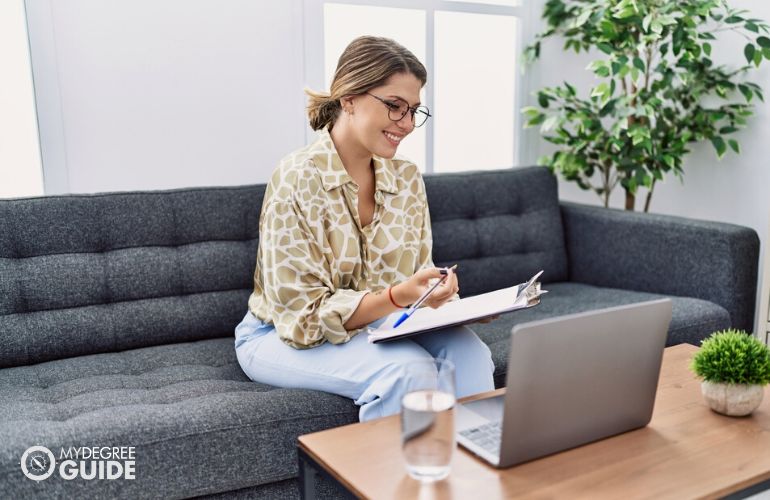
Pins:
x: 315, y: 262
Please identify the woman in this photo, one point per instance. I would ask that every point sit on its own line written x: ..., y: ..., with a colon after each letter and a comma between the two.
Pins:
x: 345, y: 240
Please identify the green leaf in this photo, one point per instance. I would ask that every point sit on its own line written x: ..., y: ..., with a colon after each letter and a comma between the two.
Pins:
x: 605, y: 47
x: 757, y: 58
x: 625, y: 13
x: 748, y: 51
x: 751, y: 27
x: 667, y: 20
x: 638, y: 63
x: 537, y: 120
x: 734, y: 145
x: 549, y: 123
x: 733, y: 19
x: 707, y: 48
x: 600, y: 90
x: 542, y: 99
x: 582, y: 18
x: 763, y: 42
x: 646, y: 22
x: 746, y: 92
x: 719, y: 145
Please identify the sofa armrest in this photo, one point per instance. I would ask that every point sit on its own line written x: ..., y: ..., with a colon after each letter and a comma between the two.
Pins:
x: 664, y: 254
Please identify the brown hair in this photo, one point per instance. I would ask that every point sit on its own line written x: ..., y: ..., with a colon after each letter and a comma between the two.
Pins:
x: 367, y: 62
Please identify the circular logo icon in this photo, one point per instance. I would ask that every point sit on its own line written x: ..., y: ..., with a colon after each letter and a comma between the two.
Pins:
x: 38, y: 463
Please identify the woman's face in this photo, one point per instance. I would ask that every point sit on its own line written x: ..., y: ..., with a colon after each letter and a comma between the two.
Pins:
x: 371, y: 122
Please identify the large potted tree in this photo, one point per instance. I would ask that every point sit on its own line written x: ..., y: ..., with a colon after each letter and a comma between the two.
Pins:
x: 658, y: 89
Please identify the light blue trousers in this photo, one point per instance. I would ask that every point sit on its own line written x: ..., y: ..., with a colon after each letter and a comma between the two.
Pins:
x: 369, y: 374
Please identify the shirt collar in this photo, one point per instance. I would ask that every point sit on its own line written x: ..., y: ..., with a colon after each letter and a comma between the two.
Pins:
x: 333, y: 173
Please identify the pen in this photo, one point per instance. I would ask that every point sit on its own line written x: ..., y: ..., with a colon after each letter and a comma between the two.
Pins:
x: 424, y: 296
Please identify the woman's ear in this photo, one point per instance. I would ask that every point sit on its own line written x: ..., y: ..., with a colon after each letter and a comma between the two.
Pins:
x: 347, y: 104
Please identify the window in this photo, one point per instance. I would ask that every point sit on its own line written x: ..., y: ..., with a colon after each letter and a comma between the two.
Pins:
x: 470, y: 49
x: 20, y: 172
x: 474, y: 91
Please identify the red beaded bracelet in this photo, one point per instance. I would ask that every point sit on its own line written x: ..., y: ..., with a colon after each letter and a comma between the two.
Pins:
x: 390, y: 295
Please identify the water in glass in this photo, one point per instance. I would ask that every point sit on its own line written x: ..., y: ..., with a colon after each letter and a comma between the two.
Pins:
x: 427, y: 430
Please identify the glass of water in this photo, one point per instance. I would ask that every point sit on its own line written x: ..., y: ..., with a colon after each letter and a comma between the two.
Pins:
x: 427, y: 418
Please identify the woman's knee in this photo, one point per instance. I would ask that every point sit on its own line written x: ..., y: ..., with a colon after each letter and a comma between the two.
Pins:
x: 392, y: 358
x: 463, y: 346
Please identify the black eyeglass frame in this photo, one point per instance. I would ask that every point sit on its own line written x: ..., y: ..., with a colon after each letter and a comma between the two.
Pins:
x: 413, y: 109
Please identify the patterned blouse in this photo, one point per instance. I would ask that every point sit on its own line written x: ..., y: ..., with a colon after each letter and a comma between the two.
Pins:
x: 315, y: 262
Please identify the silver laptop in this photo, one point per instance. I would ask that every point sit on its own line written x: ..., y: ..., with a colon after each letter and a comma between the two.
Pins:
x: 571, y: 380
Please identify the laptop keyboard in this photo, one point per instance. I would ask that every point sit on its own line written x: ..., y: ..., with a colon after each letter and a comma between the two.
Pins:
x: 486, y: 436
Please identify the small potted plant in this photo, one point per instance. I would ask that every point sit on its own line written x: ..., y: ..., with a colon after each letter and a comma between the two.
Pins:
x: 734, y: 366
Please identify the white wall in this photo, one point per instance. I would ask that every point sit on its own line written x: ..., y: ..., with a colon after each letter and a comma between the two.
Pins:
x: 154, y: 94
x: 20, y: 170
x: 735, y: 189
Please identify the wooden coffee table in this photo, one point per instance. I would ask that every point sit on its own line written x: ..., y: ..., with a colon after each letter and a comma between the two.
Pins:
x: 687, y: 451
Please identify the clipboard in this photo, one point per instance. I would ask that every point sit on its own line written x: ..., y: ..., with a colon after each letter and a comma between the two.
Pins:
x: 461, y: 312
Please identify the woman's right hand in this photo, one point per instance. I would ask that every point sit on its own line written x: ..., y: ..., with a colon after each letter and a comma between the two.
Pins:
x: 412, y: 289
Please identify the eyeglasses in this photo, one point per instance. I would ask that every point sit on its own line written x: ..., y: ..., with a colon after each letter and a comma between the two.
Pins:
x: 398, y: 108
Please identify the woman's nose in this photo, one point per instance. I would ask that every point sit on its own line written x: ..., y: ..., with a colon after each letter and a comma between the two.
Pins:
x: 405, y: 123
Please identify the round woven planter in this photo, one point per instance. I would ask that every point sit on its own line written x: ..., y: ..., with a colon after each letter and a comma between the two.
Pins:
x: 735, y: 400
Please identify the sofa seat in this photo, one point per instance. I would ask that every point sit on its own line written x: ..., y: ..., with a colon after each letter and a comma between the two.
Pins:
x: 188, y: 405
x: 692, y: 319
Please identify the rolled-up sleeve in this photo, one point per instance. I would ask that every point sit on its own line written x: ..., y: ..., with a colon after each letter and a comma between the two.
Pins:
x: 306, y: 307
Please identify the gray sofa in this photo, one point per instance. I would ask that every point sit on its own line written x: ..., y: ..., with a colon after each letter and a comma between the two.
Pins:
x: 117, y: 314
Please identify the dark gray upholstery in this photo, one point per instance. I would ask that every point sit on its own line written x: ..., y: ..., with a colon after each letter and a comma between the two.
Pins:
x: 663, y: 254
x: 117, y: 313
x: 103, y: 273
x: 187, y: 405
x: 499, y: 228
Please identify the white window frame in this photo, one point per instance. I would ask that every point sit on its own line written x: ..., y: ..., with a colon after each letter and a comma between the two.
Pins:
x: 313, y: 23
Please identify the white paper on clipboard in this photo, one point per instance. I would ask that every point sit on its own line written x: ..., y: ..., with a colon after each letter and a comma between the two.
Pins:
x: 460, y: 312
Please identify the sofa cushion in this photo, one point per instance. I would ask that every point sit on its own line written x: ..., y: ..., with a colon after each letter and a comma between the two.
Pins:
x: 692, y: 319
x: 197, y: 423
x: 85, y: 274
x: 500, y: 227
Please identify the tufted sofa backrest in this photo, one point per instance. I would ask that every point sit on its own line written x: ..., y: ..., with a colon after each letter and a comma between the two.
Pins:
x: 84, y: 274
x: 500, y: 227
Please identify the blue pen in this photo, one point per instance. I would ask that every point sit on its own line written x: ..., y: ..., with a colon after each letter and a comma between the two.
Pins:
x: 425, y: 295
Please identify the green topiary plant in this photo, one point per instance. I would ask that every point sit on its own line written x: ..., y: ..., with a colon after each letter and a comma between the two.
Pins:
x: 657, y: 91
x: 733, y: 357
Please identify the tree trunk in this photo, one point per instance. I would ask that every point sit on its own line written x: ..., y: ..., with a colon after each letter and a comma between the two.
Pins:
x: 649, y: 197
x: 630, y: 200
